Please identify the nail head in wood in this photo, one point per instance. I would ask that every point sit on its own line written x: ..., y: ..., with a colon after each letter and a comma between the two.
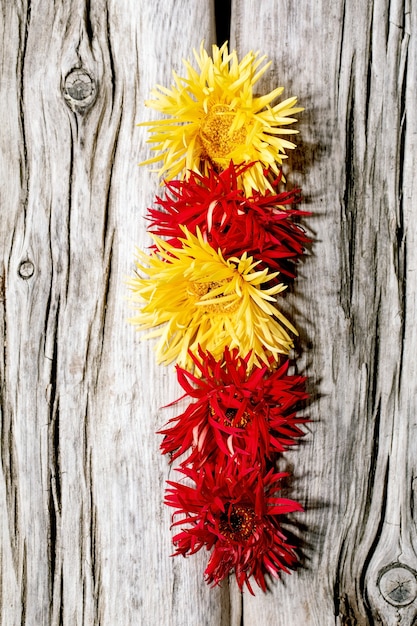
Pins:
x: 79, y: 90
x: 26, y: 269
x: 398, y: 584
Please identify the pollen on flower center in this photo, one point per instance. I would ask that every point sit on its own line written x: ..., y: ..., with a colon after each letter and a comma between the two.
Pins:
x: 230, y: 415
x: 202, y: 289
x: 237, y: 522
x: 216, y: 137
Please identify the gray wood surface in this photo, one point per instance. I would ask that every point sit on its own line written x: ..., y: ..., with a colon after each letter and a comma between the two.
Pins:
x: 85, y: 538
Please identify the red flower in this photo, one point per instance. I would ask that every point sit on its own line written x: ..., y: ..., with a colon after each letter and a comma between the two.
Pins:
x: 237, y: 410
x: 262, y: 225
x: 234, y: 510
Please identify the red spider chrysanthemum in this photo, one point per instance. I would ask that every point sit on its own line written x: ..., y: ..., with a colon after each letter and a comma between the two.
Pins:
x: 236, y: 410
x: 262, y: 225
x: 234, y: 510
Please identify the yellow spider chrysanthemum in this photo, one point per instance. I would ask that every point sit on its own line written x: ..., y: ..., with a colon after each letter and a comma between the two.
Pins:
x: 216, y: 118
x: 192, y: 296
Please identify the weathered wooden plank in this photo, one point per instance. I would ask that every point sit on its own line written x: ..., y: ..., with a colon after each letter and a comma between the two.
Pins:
x: 85, y: 536
x: 353, y: 65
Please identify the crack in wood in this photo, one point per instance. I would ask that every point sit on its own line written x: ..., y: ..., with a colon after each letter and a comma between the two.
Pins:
x: 222, y: 12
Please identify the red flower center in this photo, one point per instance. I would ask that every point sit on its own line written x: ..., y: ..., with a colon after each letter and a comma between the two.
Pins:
x: 230, y: 418
x: 237, y: 522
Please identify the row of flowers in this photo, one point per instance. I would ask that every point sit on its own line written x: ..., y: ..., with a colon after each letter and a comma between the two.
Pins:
x: 226, y: 240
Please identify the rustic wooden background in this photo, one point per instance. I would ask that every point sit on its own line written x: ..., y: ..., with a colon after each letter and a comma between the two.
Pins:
x: 85, y: 538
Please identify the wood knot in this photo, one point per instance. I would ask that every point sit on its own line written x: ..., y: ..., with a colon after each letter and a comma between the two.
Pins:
x: 80, y: 90
x: 26, y: 269
x: 398, y: 584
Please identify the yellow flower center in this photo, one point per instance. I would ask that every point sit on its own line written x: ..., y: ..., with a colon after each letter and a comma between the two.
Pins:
x: 215, y: 135
x: 237, y: 522
x: 201, y: 289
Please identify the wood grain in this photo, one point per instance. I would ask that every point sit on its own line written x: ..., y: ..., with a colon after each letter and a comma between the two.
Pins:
x: 85, y: 538
x: 353, y: 66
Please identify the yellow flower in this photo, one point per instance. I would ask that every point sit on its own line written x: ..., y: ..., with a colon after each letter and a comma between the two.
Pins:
x: 215, y: 118
x: 193, y: 297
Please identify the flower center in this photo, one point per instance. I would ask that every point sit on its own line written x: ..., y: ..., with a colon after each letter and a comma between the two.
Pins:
x: 230, y: 415
x: 215, y: 135
x: 237, y: 522
x: 222, y: 306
